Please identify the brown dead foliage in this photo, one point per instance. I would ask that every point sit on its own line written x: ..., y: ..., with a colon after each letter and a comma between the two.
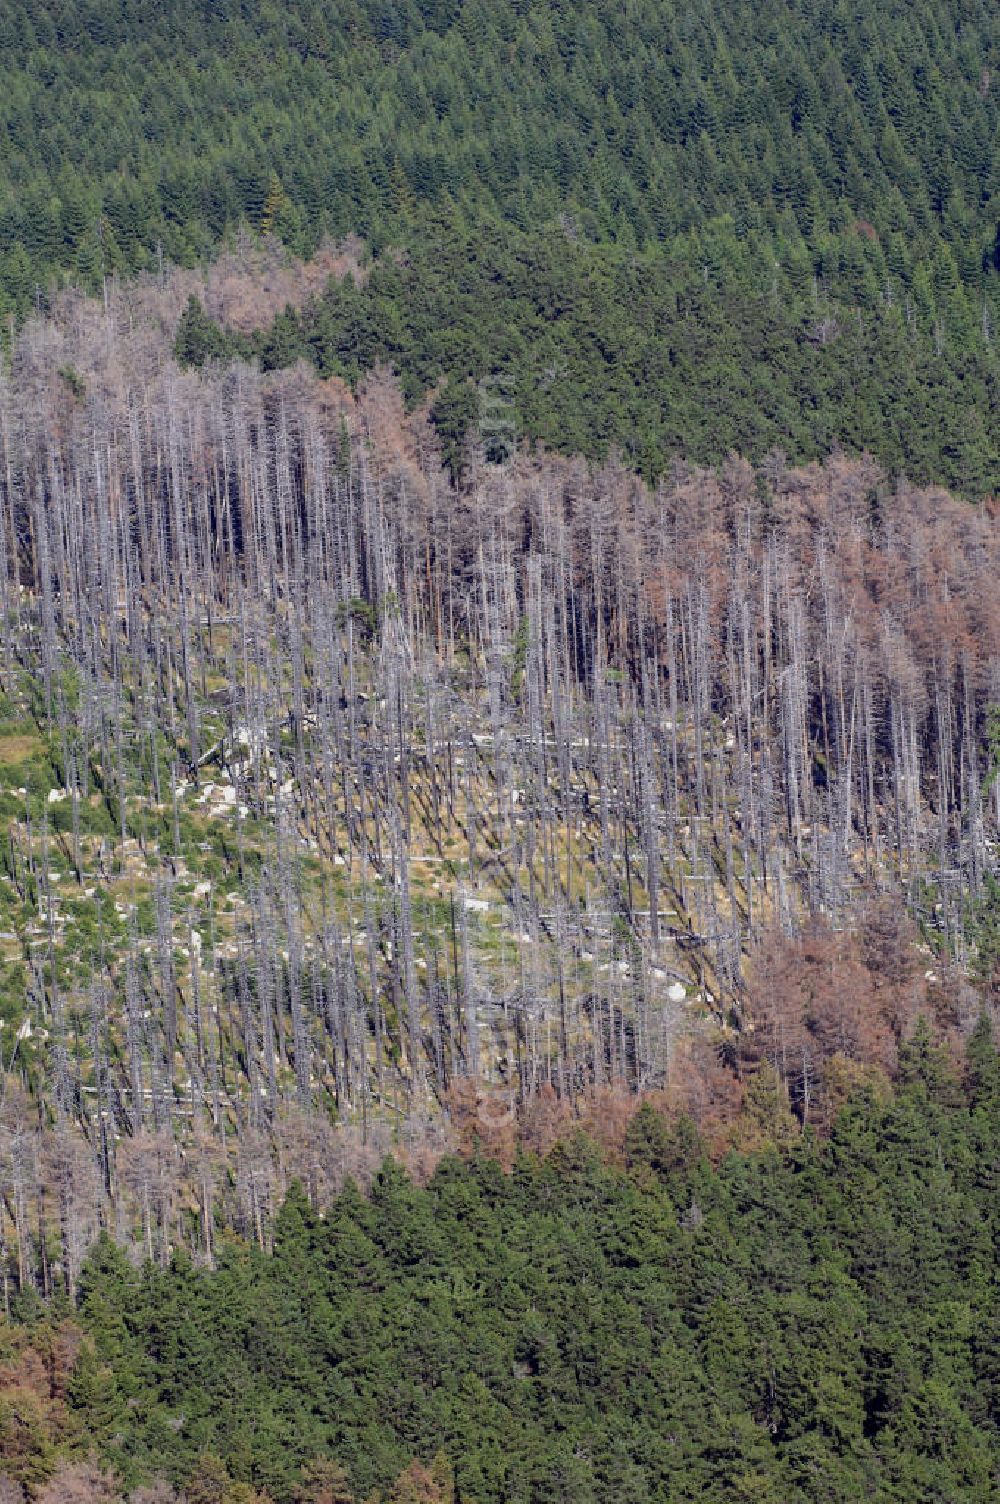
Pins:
x: 830, y: 1007
x: 246, y: 287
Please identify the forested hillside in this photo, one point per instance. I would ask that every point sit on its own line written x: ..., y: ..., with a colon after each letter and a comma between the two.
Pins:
x: 816, y: 1327
x: 680, y: 230
x: 499, y: 752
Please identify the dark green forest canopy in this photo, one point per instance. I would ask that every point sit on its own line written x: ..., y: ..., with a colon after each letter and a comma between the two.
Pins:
x: 773, y: 224
x: 605, y: 348
x: 819, y: 1326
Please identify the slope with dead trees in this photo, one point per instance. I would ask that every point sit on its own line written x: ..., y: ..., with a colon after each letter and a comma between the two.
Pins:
x: 342, y: 795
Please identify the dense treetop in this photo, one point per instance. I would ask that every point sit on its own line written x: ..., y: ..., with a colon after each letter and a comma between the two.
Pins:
x: 170, y: 120
x: 751, y: 192
x: 817, y: 1325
